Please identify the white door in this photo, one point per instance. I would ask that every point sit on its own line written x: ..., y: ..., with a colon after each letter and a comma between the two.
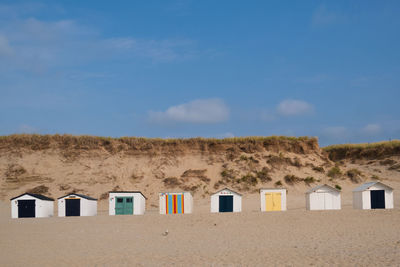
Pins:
x: 328, y: 201
x: 320, y: 201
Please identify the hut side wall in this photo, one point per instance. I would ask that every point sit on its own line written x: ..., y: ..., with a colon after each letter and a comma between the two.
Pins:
x: 237, y: 203
x: 357, y: 200
x: 61, y: 207
x: 162, y: 204
x: 188, y: 206
x: 88, y: 207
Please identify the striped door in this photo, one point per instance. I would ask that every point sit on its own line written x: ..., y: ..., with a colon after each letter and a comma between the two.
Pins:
x: 174, y: 204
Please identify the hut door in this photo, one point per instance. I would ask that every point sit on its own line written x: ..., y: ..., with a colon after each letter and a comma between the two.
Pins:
x: 225, y: 203
x: 320, y: 201
x: 328, y: 201
x: 377, y: 199
x: 273, y: 201
x: 175, y: 204
x: 72, y: 207
x: 123, y: 205
x: 26, y: 208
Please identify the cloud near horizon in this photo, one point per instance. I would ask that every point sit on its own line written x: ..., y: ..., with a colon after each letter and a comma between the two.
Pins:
x: 294, y: 107
x: 201, y: 111
x: 371, y: 129
x: 37, y: 45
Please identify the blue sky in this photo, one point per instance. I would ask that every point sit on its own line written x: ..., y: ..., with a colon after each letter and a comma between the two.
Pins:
x: 201, y: 68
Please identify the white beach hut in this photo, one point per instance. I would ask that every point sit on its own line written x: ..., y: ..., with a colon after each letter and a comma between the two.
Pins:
x: 373, y: 195
x: 126, y: 203
x: 32, y: 206
x: 273, y: 199
x: 323, y: 197
x: 226, y: 200
x: 76, y: 205
x: 176, y: 203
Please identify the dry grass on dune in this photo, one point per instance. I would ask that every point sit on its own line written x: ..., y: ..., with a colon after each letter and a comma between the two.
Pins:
x: 363, y: 151
x: 84, y: 142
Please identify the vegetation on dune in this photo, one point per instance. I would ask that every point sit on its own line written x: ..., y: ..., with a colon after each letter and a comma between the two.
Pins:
x: 263, y: 175
x: 335, y: 172
x: 41, y: 189
x: 363, y: 151
x: 395, y: 167
x: 309, y: 180
x: 248, y: 179
x: 375, y: 177
x: 319, y: 169
x: 246, y: 144
x: 171, y: 182
x: 292, y: 179
x: 338, y: 187
x: 355, y: 175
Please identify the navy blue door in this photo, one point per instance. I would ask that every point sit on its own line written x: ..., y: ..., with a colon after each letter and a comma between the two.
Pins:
x: 72, y: 207
x: 26, y: 208
x: 225, y: 203
x: 377, y: 199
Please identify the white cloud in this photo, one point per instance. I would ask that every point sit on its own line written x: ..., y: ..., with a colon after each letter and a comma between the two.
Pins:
x: 157, y: 50
x: 39, y: 45
x: 372, y: 129
x: 226, y: 135
x: 335, y: 132
x: 323, y: 16
x: 293, y: 107
x: 212, y: 110
x: 26, y: 129
x: 5, y: 48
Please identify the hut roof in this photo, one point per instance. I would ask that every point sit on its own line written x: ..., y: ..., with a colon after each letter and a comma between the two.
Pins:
x: 279, y: 188
x: 138, y: 192
x: 35, y: 196
x: 228, y: 190
x: 321, y: 186
x: 366, y: 186
x: 79, y: 195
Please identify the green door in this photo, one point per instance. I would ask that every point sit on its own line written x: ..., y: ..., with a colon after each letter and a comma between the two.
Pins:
x: 123, y: 205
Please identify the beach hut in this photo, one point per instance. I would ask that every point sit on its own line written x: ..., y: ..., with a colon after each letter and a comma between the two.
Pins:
x: 126, y: 203
x: 31, y: 206
x: 176, y: 203
x: 226, y: 200
x: 76, y: 205
x: 273, y: 199
x: 373, y: 195
x: 323, y: 197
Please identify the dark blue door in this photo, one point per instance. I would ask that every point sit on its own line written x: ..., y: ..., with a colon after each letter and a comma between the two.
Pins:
x: 72, y: 207
x: 26, y: 208
x: 377, y: 199
x: 225, y: 203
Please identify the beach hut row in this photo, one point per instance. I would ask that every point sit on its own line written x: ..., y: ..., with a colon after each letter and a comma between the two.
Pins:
x: 372, y: 195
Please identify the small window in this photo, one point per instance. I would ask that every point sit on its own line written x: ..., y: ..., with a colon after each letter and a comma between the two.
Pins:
x: 129, y: 200
x: 120, y: 200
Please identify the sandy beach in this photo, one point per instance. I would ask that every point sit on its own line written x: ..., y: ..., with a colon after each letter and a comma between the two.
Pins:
x: 296, y: 237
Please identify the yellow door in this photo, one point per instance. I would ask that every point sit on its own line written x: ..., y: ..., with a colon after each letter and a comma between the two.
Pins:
x: 272, y: 201
x: 277, y: 201
x: 268, y: 202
